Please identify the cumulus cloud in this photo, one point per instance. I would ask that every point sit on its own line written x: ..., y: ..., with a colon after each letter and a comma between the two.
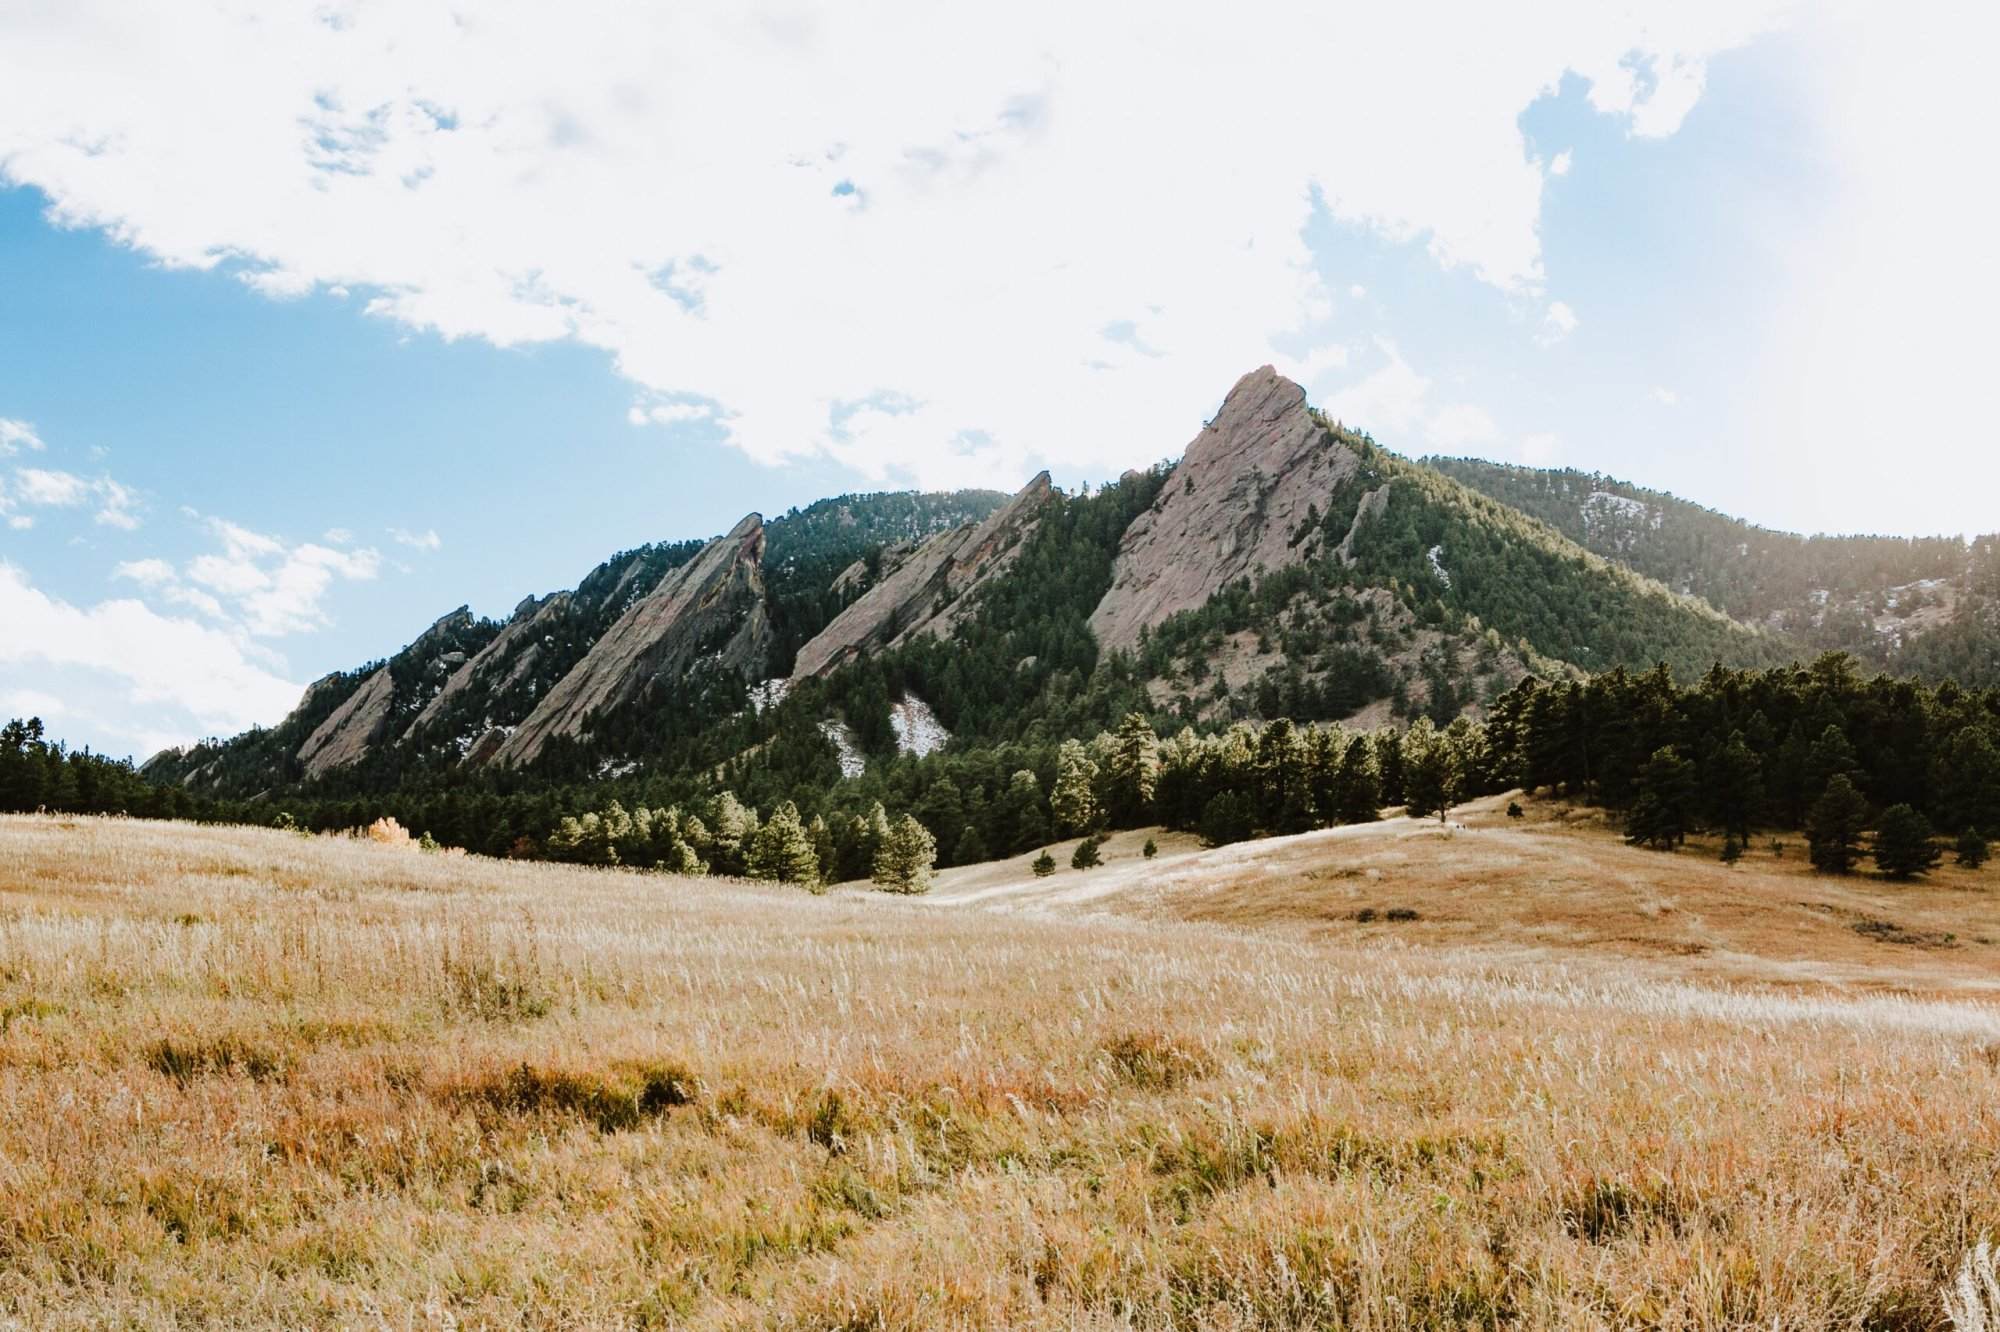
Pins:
x: 16, y: 435
x: 256, y: 583
x: 48, y: 488
x: 906, y: 236
x: 171, y: 668
x: 426, y: 540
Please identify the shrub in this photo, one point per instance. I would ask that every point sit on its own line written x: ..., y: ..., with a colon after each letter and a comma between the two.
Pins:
x: 1085, y: 856
x: 1732, y: 849
x: 1972, y: 849
x: 1514, y: 810
x: 1044, y: 865
x: 1150, y: 849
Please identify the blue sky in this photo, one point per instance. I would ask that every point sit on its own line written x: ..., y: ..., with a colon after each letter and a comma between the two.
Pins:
x: 290, y: 368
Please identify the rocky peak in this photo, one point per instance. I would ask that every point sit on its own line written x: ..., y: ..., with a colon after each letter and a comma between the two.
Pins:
x: 927, y: 589
x: 716, y: 596
x: 1234, y: 504
x: 352, y: 728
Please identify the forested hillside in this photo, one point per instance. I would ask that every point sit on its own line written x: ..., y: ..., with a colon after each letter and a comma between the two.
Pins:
x: 1877, y: 597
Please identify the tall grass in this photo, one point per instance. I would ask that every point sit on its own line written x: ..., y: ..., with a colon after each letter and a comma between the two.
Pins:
x: 254, y: 1080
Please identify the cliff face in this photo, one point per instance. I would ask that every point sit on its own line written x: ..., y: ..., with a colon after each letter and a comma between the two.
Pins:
x: 926, y: 590
x: 1234, y: 504
x: 714, y: 604
x: 496, y: 667
x: 352, y: 728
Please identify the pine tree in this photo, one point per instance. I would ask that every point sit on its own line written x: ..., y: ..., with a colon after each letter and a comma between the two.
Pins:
x: 907, y: 858
x: 783, y: 850
x: 1360, y: 784
x: 1074, y: 801
x: 1085, y: 856
x: 1831, y: 756
x: 1227, y: 818
x: 1972, y: 848
x: 1661, y: 814
x: 1018, y: 814
x: 1903, y: 843
x: 1044, y: 865
x: 1736, y: 786
x: 1150, y: 849
x: 1131, y: 771
x: 1834, y: 828
x: 971, y: 848
x: 1431, y: 771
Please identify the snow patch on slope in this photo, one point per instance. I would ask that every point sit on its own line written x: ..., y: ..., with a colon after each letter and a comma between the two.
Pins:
x: 918, y: 731
x: 852, y: 764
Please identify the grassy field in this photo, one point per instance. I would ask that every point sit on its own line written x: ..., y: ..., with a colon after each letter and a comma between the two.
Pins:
x: 253, y: 1079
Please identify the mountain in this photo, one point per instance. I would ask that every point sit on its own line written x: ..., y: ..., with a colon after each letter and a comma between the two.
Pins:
x: 1285, y: 565
x: 1927, y: 606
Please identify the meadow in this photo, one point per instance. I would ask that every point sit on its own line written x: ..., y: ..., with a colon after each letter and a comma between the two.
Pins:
x: 255, y: 1079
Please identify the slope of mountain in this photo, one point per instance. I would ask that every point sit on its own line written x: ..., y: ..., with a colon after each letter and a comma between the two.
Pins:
x: 1878, y: 597
x: 712, y: 607
x: 924, y: 588
x: 1284, y: 566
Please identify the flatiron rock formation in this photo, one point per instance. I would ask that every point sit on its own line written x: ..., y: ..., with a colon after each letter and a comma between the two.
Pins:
x: 1234, y: 504
x: 929, y: 588
x: 711, y: 606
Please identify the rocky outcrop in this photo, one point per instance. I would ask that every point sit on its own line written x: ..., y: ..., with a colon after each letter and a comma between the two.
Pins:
x: 1238, y: 501
x: 712, y: 606
x: 926, y: 590
x: 502, y: 662
x: 352, y: 728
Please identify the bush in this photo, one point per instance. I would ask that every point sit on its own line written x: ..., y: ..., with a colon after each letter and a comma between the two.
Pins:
x: 1150, y: 849
x: 1086, y: 856
x: 1972, y: 849
x: 1514, y: 810
x: 1732, y: 848
x: 1044, y: 865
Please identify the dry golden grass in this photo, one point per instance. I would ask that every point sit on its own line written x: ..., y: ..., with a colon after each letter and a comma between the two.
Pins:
x: 1560, y: 883
x: 249, y: 1079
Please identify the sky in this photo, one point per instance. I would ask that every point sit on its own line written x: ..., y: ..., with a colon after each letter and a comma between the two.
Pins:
x: 318, y: 321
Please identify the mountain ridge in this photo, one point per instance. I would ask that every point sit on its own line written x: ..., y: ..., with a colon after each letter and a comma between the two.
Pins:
x: 1284, y: 563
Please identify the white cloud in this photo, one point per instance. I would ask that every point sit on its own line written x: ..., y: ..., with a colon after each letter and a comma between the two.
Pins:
x: 256, y: 582
x: 1879, y: 353
x: 56, y: 490
x: 16, y: 435
x: 170, y: 668
x: 895, y: 234
x: 1560, y: 163
x: 146, y: 573
x: 1558, y: 322
x: 426, y: 540
x: 1665, y: 396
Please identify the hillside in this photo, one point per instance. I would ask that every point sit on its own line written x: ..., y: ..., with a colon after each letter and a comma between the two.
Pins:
x: 1929, y: 607
x: 253, y: 1080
